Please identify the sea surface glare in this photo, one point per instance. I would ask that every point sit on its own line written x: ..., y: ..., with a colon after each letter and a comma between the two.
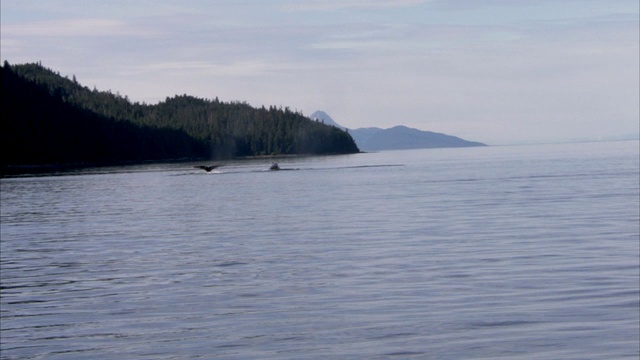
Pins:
x: 512, y: 252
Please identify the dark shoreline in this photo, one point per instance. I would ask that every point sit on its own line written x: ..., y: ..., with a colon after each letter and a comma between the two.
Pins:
x: 32, y: 170
x: 51, y: 169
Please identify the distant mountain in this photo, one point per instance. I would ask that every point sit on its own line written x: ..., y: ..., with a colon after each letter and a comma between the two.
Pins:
x: 397, y: 137
x: 323, y: 117
x: 402, y: 137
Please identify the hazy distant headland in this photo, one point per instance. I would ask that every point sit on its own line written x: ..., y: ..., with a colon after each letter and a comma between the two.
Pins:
x: 396, y: 138
x: 51, y: 120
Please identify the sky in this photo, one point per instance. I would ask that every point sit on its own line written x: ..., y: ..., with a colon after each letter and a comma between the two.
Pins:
x: 495, y: 71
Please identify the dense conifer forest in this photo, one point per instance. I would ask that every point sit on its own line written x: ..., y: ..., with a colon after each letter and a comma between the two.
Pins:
x: 49, y: 119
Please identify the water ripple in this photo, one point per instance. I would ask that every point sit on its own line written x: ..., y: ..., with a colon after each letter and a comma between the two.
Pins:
x: 454, y: 254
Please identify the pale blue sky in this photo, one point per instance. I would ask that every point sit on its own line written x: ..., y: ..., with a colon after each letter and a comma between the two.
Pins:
x: 496, y: 71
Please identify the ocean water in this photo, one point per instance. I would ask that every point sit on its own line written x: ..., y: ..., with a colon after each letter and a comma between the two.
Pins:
x: 513, y: 252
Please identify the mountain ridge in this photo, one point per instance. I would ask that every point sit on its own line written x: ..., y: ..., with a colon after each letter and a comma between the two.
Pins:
x: 398, y: 137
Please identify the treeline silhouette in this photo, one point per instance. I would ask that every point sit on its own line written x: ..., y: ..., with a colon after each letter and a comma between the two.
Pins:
x: 50, y: 119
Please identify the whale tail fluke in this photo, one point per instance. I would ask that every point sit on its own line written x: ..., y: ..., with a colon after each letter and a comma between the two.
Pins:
x: 207, y: 168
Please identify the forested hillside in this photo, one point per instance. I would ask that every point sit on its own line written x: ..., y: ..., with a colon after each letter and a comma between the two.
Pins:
x: 51, y: 119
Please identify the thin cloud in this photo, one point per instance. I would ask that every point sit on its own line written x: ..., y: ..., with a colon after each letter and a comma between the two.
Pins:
x: 322, y: 5
x: 76, y: 28
x: 228, y: 69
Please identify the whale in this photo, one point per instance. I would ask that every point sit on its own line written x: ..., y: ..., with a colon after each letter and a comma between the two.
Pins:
x: 207, y: 168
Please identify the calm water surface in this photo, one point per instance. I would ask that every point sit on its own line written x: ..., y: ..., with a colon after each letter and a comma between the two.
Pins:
x: 519, y: 252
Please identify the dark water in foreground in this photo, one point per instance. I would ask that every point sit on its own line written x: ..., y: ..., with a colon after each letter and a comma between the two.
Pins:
x: 524, y: 252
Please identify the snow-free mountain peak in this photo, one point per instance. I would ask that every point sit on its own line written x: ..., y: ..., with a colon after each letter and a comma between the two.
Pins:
x: 325, y: 118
